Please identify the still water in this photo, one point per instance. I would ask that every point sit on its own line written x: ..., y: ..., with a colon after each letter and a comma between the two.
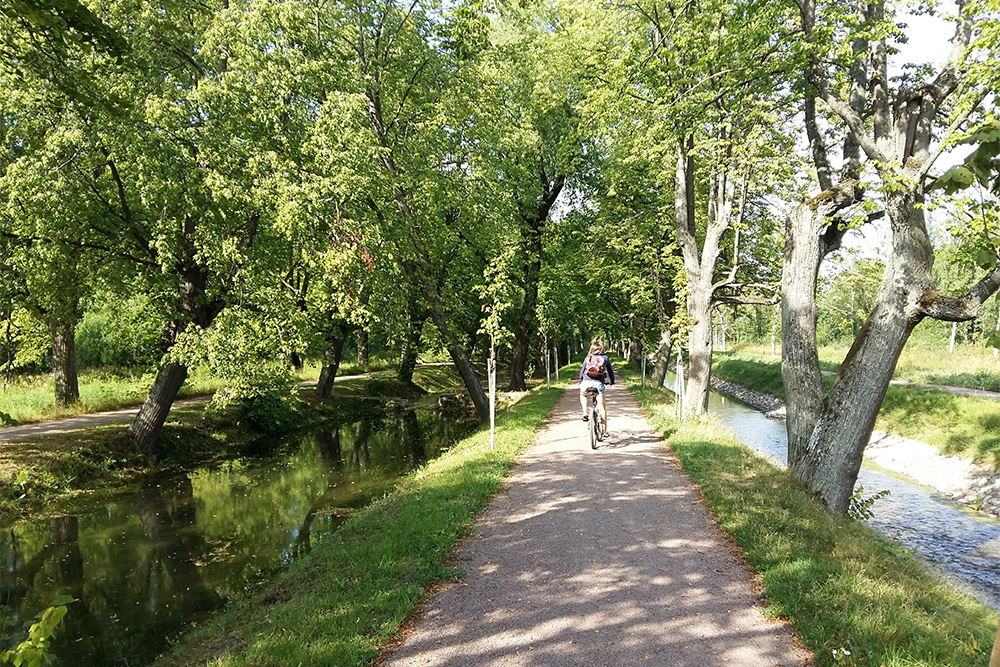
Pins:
x: 963, y: 546
x: 143, y: 566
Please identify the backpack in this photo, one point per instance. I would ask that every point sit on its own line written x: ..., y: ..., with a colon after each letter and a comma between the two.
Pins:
x: 593, y: 366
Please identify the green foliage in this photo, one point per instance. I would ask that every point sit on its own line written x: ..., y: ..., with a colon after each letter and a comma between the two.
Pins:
x: 269, y: 412
x: 33, y: 650
x: 860, y: 508
x: 981, y: 166
x: 121, y: 333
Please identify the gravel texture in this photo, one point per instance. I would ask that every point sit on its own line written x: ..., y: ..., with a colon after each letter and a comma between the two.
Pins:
x: 603, y: 557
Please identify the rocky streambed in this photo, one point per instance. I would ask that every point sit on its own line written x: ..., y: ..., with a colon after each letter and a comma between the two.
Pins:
x: 956, y: 478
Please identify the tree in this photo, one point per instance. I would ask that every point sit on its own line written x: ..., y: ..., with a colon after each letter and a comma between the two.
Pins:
x: 702, y: 79
x: 896, y: 131
x: 409, y: 96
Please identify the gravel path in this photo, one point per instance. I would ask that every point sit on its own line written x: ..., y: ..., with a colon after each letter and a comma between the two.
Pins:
x: 603, y: 557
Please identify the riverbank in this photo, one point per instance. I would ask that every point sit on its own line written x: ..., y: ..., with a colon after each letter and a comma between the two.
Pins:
x: 855, y: 597
x: 55, y: 468
x: 957, y: 478
x: 341, y: 604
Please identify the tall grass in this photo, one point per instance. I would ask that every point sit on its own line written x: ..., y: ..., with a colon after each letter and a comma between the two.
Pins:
x: 855, y: 598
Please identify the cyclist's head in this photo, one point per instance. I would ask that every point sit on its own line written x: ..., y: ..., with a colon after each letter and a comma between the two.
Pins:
x: 596, y: 346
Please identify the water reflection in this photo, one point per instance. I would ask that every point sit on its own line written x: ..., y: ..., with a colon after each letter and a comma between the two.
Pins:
x: 962, y: 545
x: 144, y: 566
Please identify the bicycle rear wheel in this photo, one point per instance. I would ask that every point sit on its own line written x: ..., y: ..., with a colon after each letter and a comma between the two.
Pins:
x: 595, y: 426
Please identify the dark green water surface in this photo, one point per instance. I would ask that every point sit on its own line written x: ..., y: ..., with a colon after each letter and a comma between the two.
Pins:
x: 142, y: 567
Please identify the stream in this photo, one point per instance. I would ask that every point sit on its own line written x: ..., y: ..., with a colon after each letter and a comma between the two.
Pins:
x: 961, y: 545
x: 144, y: 566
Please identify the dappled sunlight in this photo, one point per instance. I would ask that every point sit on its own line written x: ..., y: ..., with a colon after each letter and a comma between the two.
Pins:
x: 596, y: 557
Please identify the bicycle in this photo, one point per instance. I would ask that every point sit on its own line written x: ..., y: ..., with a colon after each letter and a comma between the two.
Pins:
x: 596, y: 431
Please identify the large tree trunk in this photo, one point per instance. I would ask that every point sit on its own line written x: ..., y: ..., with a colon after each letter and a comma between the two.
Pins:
x: 800, y: 371
x: 662, y: 363
x: 525, y: 325
x: 331, y: 364
x: 699, y: 348
x: 831, y: 458
x: 827, y: 437
x: 534, y: 222
x: 145, y: 429
x: 63, y: 335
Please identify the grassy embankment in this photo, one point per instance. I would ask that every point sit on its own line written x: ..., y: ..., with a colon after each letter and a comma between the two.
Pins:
x: 31, y: 399
x: 346, y: 600
x: 59, y: 466
x: 956, y: 425
x: 972, y: 366
x: 844, y: 586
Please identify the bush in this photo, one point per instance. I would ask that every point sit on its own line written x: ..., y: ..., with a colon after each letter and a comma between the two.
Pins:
x: 268, y: 412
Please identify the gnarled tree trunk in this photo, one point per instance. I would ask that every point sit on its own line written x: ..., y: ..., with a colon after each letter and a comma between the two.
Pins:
x: 828, y: 435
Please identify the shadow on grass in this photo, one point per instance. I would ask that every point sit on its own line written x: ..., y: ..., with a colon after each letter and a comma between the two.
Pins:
x: 843, y: 585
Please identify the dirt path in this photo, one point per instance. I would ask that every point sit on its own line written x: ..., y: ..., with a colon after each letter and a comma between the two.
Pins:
x: 603, y: 557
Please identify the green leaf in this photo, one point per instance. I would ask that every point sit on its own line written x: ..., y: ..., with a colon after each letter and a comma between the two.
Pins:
x: 986, y: 259
x: 955, y: 179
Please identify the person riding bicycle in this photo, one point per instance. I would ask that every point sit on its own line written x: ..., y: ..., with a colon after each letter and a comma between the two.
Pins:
x: 594, y: 373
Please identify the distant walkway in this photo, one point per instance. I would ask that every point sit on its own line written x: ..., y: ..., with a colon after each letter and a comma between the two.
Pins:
x: 67, y: 424
x: 949, y: 389
x: 603, y: 557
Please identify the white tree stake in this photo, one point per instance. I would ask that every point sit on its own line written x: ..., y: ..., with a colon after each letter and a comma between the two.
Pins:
x: 642, y: 353
x: 545, y: 346
x: 679, y: 389
x: 492, y: 370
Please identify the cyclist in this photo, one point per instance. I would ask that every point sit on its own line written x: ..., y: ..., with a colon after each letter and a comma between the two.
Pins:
x: 594, y: 373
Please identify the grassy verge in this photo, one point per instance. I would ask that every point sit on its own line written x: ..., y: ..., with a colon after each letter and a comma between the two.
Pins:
x: 55, y: 467
x: 956, y: 425
x: 972, y: 366
x: 32, y: 399
x: 855, y: 598
x: 345, y: 601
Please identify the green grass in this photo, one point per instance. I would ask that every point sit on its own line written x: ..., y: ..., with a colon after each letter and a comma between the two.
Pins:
x: 32, y: 399
x: 345, y: 601
x: 972, y: 366
x: 56, y: 468
x: 956, y: 425
x: 840, y: 583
